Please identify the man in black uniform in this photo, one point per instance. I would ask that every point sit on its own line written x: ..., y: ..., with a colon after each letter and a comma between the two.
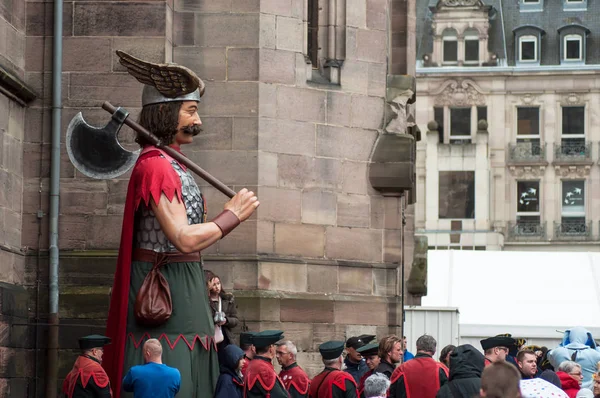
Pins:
x: 332, y: 382
x: 88, y: 379
x: 260, y: 378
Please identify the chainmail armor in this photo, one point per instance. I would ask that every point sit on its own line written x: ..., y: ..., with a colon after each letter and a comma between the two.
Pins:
x: 148, y: 234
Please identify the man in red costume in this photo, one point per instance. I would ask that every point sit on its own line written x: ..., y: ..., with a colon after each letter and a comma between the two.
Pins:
x: 294, y: 378
x: 261, y: 379
x: 422, y: 376
x: 370, y: 353
x: 164, y: 227
x: 88, y: 379
x: 332, y: 382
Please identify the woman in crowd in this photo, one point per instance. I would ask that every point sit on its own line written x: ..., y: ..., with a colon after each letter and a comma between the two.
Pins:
x: 571, y: 377
x: 224, y: 310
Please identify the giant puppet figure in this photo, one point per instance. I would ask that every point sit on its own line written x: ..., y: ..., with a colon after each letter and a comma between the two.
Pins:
x: 164, y: 224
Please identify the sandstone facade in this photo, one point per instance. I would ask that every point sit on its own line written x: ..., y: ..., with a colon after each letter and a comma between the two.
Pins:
x: 321, y: 257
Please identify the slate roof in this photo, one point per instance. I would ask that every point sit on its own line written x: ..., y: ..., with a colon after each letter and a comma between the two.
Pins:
x: 505, y: 16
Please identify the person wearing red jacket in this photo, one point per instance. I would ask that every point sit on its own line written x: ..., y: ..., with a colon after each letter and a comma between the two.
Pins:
x: 88, y: 378
x: 294, y: 378
x: 422, y: 376
x: 571, y: 377
x: 261, y: 379
x: 332, y: 382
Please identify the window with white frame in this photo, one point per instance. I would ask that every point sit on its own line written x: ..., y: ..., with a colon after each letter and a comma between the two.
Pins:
x: 528, y: 203
x: 528, y: 48
x: 572, y: 48
x: 471, y: 47
x: 450, y: 47
x: 460, y: 125
x: 573, y: 204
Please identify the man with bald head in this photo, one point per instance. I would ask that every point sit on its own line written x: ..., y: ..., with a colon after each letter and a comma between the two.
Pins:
x: 153, y: 378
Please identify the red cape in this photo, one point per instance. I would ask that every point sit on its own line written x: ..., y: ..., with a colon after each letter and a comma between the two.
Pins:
x: 152, y: 176
x: 421, y: 377
x: 325, y: 381
x: 84, y: 369
x: 296, y: 377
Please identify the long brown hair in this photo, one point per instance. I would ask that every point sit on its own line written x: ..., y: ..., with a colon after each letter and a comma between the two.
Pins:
x: 161, y: 120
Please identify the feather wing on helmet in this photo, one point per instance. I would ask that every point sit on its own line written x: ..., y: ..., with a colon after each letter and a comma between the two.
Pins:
x: 171, y: 80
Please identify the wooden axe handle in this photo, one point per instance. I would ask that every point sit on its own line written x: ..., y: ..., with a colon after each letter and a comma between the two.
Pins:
x: 107, y: 106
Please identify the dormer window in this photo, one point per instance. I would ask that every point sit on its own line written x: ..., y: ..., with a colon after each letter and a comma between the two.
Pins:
x: 527, y: 45
x: 471, y: 47
x: 450, y: 47
x: 573, y: 48
x: 528, y: 49
x: 573, y: 38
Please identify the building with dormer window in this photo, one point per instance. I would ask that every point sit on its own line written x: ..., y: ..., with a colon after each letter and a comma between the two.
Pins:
x: 509, y: 98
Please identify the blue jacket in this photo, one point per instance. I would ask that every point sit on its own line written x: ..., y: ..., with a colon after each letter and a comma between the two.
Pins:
x: 356, y: 370
x: 152, y: 380
x: 578, y: 345
x: 230, y: 384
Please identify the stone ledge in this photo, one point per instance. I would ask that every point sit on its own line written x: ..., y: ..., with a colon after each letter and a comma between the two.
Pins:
x: 273, y: 258
x: 15, y: 88
x: 273, y: 294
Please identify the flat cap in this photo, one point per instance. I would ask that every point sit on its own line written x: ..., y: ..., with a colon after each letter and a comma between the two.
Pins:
x: 354, y: 342
x: 497, y: 341
x: 246, y: 337
x: 331, y: 349
x: 266, y: 338
x: 369, y: 349
x: 93, y: 341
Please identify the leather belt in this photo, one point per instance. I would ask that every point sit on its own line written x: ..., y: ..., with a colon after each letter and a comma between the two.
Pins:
x: 150, y: 256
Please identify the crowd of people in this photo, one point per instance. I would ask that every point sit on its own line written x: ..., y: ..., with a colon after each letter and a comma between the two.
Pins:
x: 361, y: 367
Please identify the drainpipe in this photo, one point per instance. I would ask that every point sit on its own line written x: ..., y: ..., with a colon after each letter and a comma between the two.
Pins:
x: 52, y: 363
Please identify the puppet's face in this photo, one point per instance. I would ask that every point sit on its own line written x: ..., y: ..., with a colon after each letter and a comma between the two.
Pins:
x: 189, y: 124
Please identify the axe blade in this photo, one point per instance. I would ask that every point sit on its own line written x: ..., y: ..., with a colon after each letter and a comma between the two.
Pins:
x: 96, y: 152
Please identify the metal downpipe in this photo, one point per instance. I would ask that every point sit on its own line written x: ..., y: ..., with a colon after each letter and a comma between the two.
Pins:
x: 52, y: 361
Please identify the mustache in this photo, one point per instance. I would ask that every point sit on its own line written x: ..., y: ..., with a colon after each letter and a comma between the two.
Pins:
x: 192, y: 130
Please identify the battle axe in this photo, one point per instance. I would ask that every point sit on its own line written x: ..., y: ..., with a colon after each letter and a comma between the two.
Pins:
x: 97, y: 153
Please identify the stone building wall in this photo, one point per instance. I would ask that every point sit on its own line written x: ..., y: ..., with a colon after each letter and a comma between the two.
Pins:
x: 318, y: 260
x: 14, y: 371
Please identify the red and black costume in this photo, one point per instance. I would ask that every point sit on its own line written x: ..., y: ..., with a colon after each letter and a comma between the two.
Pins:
x: 295, y: 380
x: 87, y: 379
x: 421, y: 377
x: 262, y: 381
x: 333, y: 383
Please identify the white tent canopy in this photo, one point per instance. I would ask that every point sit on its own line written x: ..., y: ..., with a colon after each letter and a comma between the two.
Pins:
x: 534, y: 295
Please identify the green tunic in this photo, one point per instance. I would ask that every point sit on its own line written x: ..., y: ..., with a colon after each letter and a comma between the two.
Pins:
x: 190, y: 325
